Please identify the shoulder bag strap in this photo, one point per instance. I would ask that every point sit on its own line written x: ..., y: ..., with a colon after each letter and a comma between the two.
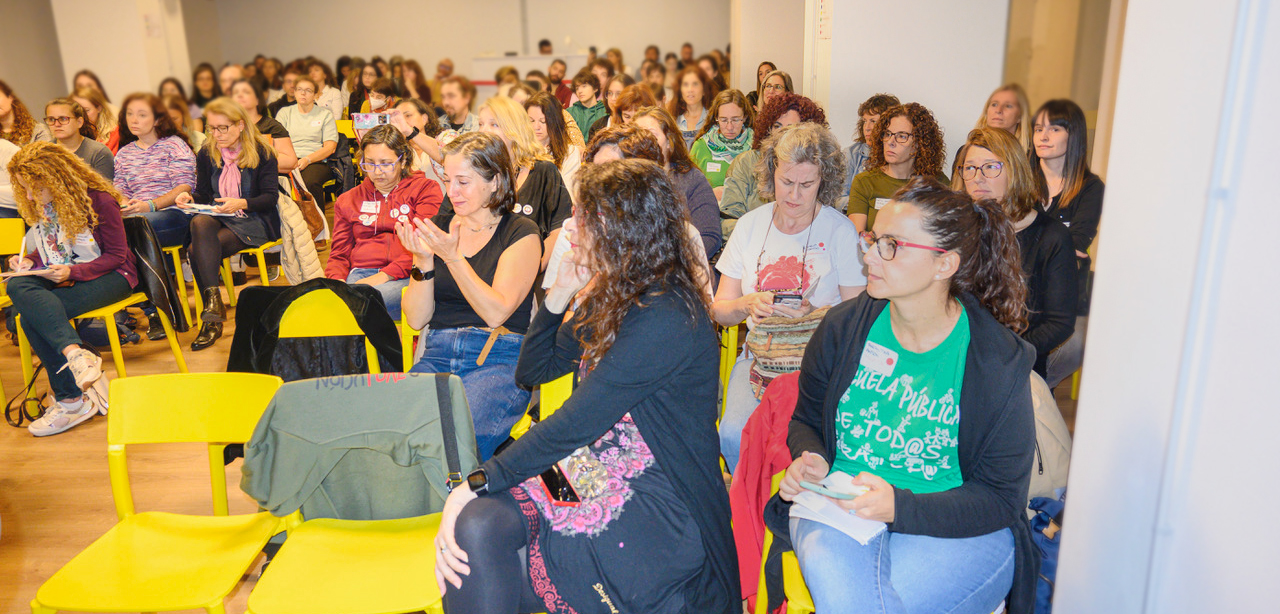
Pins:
x: 444, y: 403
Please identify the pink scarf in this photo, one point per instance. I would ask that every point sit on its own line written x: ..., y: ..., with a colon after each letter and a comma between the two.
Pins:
x: 229, y: 181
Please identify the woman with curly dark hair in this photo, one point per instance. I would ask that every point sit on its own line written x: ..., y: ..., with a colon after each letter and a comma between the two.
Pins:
x: 917, y: 394
x: 907, y: 143
x: 641, y: 470
x: 16, y: 124
x: 741, y: 193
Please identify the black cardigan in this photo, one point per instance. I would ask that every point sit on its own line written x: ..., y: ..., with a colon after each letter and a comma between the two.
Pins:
x: 997, y: 431
x: 661, y: 369
x: 1049, y: 266
x: 1082, y: 214
x: 259, y: 186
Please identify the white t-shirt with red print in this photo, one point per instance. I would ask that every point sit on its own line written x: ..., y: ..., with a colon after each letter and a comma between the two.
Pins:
x: 831, y: 261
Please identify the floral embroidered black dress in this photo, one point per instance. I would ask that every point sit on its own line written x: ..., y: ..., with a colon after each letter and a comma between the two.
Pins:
x: 651, y: 533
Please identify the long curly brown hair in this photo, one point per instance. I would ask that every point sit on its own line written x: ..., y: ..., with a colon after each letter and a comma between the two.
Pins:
x: 23, y: 124
x: 990, y: 259
x: 930, y: 148
x: 43, y: 165
x: 636, y: 220
x: 778, y: 106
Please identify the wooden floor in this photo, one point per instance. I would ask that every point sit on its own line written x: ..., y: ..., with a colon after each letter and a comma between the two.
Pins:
x: 55, y: 496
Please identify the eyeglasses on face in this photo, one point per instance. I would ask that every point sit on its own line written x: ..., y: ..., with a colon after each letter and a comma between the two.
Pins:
x: 888, y: 246
x: 777, y: 87
x: 731, y: 121
x: 900, y: 137
x: 219, y: 129
x: 57, y: 121
x: 304, y: 90
x: 371, y: 167
x: 990, y: 170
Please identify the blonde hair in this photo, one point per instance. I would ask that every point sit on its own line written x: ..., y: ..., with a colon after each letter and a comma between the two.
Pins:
x: 514, y: 121
x: 106, y: 121
x: 1023, y: 193
x: 43, y: 165
x: 1023, y: 129
x: 250, y: 139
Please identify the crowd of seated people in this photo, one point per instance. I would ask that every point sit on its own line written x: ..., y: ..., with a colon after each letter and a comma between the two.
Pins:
x: 605, y: 224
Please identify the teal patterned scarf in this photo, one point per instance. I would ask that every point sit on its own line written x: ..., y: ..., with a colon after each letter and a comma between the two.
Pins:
x: 724, y: 149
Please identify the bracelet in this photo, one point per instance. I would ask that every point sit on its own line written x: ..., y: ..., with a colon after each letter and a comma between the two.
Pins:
x: 152, y: 204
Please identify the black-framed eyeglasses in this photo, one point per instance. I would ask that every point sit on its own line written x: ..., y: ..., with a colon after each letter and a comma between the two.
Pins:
x: 990, y: 170
x: 900, y: 137
x: 888, y: 246
x: 57, y: 121
x: 386, y: 167
x: 219, y: 129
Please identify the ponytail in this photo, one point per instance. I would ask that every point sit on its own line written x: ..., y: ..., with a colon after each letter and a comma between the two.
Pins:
x: 982, y: 234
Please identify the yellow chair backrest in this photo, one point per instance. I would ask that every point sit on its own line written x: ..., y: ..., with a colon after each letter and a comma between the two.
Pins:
x: 554, y: 394
x: 11, y: 232
x: 346, y: 127
x: 212, y: 408
x: 320, y: 313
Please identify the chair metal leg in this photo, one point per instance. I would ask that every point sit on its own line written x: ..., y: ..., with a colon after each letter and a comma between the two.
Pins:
x: 229, y: 282
x: 261, y: 255
x: 1075, y: 385
x: 113, y: 337
x: 24, y: 353
x: 172, y: 336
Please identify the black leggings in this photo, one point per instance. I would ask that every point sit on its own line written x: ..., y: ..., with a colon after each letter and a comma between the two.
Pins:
x: 315, y: 176
x: 210, y: 243
x: 492, y: 532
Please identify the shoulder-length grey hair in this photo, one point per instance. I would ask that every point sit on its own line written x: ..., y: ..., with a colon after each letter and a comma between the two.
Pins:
x: 797, y: 144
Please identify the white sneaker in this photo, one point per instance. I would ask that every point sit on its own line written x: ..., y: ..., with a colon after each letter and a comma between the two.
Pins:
x: 58, y: 418
x: 85, y: 366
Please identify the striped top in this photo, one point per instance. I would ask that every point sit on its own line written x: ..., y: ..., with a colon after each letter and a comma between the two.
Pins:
x: 154, y: 171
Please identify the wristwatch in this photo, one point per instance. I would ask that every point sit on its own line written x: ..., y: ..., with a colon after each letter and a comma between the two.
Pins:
x: 411, y: 135
x: 478, y: 480
x: 418, y: 274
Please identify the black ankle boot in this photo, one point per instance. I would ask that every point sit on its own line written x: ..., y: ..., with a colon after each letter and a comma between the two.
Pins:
x: 155, y: 330
x: 209, y: 333
x: 214, y: 310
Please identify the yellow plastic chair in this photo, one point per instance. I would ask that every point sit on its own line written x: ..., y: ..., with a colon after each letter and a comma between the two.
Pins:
x: 159, y: 561
x: 407, y: 335
x: 320, y: 313
x: 552, y: 396
x: 106, y: 314
x: 346, y: 127
x: 386, y: 567
x: 11, y: 232
x: 1075, y: 385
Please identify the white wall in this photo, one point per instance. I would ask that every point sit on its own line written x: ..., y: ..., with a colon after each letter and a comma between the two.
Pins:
x: 30, y: 60
x: 948, y: 56
x: 767, y: 30
x: 1172, y: 490
x: 148, y: 41
x: 426, y: 31
x: 204, y: 36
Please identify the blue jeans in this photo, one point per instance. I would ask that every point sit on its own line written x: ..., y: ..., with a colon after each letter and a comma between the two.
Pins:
x: 172, y: 226
x: 927, y: 574
x: 740, y: 403
x: 390, y: 290
x: 496, y: 401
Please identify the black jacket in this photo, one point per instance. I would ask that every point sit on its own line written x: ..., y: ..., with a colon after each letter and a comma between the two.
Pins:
x: 259, y: 186
x: 153, y: 278
x: 1049, y: 266
x: 257, y: 339
x: 997, y: 432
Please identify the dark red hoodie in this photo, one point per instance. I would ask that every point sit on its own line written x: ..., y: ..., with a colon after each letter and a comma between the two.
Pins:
x: 364, y: 226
